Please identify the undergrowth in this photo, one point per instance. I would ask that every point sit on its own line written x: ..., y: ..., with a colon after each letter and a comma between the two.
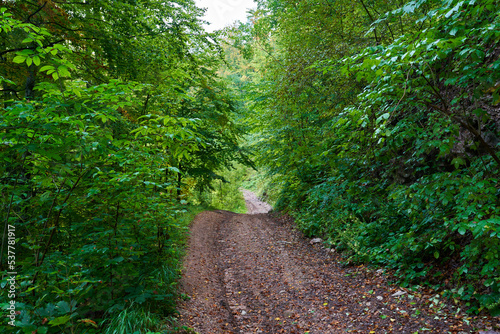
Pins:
x: 147, y: 318
x: 225, y: 194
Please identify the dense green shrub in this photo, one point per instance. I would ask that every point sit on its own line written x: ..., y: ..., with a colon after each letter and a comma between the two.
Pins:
x: 94, y: 175
x: 383, y: 137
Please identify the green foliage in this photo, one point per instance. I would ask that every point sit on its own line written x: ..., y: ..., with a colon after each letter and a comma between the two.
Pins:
x: 225, y: 194
x: 97, y: 156
x: 102, y: 204
x: 132, y: 320
x: 379, y: 128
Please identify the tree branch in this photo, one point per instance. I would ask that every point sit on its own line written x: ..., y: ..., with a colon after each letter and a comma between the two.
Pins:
x: 36, y: 12
x: 29, y: 48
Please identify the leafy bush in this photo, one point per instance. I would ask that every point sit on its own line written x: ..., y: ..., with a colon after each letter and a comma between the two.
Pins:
x: 93, y: 183
x: 383, y: 136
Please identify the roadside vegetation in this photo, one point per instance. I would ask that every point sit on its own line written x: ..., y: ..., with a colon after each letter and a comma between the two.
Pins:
x: 377, y: 126
x: 112, y: 117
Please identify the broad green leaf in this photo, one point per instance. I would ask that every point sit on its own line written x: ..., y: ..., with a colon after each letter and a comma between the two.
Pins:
x: 60, y: 320
x: 19, y: 59
x: 63, y: 71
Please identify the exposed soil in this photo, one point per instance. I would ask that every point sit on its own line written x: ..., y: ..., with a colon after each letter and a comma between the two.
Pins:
x: 254, y: 273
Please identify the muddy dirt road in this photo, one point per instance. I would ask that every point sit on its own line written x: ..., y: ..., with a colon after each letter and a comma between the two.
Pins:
x: 253, y: 273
